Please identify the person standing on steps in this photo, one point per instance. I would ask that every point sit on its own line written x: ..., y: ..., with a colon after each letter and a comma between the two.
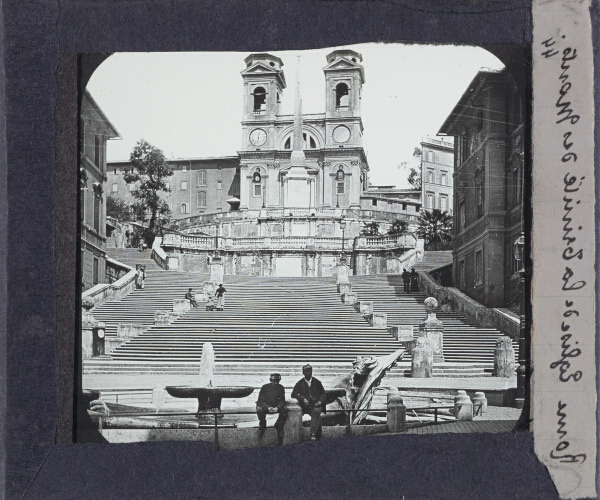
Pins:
x: 312, y: 399
x: 271, y: 399
x: 191, y: 296
x: 406, y: 280
x: 414, y: 281
x: 220, y: 299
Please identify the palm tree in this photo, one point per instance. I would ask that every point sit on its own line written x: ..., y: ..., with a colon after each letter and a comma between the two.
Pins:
x: 370, y: 229
x: 435, y: 227
x: 399, y: 226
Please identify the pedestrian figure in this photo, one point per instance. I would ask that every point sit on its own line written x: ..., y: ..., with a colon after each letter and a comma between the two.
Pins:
x: 271, y: 399
x: 414, y: 281
x: 446, y: 305
x: 210, y: 303
x: 406, y: 280
x: 220, y: 299
x: 191, y: 296
x: 139, y: 277
x: 312, y: 399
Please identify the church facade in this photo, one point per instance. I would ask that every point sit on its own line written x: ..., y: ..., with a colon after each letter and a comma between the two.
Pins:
x: 298, y: 197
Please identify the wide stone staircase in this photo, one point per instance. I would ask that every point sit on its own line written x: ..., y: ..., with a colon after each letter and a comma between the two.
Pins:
x: 433, y: 260
x: 464, y: 341
x: 132, y: 256
x: 278, y: 323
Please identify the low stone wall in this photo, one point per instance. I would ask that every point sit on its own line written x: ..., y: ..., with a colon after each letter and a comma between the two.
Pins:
x: 158, y: 254
x: 113, y: 291
x: 465, y: 305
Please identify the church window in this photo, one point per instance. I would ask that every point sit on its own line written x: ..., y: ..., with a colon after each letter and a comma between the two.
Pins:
x: 341, y: 96
x: 201, y: 198
x: 340, y: 188
x: 201, y: 178
x: 288, y: 143
x: 260, y: 99
x: 374, y: 202
x: 313, y: 144
x: 257, y: 189
x: 403, y: 206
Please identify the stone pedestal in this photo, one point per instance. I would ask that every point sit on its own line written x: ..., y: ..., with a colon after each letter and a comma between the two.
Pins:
x: 365, y: 308
x: 379, y: 320
x: 216, y: 270
x: 88, y: 323
x: 479, y: 400
x: 463, y: 407
x: 402, y: 333
x: 504, y: 358
x: 129, y: 330
x: 343, y: 274
x: 292, y: 429
x: 433, y: 329
x: 396, y: 413
x: 422, y: 359
x: 344, y: 288
x: 181, y: 306
x: 161, y: 318
x: 349, y: 298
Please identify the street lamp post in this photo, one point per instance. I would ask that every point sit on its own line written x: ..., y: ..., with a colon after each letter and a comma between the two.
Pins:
x: 524, y: 344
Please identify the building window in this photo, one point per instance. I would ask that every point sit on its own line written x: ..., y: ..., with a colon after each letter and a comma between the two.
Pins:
x: 478, y: 267
x: 97, y: 201
x: 430, y: 156
x: 96, y: 271
x: 115, y: 171
x: 184, y: 185
x: 201, y: 198
x: 257, y: 189
x: 429, y: 201
x: 403, y: 206
x: 430, y: 176
x: 201, y: 178
x: 260, y: 100
x: 479, y: 191
x: 185, y: 208
x: 374, y: 202
x: 340, y: 188
x: 341, y: 96
x: 184, y: 167
x: 517, y: 186
x: 461, y: 274
x: 97, y: 154
x: 444, y: 179
x: 443, y: 203
x: 462, y: 215
x: 115, y: 188
x: 219, y: 184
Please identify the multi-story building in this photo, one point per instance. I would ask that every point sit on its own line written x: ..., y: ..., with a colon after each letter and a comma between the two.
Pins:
x: 95, y: 129
x: 437, y: 169
x: 488, y: 128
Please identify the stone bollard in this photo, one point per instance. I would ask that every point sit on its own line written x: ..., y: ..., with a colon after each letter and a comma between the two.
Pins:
x: 479, y: 403
x: 208, y: 290
x: 402, y: 333
x: 216, y: 270
x: 433, y: 329
x: 379, y: 320
x: 161, y: 317
x: 349, y: 298
x: 88, y: 323
x: 422, y: 359
x: 344, y: 288
x: 292, y: 429
x: 396, y: 413
x: 463, y: 407
x: 343, y: 274
x: 504, y: 358
x: 365, y: 307
x: 181, y: 306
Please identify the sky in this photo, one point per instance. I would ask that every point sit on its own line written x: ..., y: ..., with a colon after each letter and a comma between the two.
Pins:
x: 189, y: 104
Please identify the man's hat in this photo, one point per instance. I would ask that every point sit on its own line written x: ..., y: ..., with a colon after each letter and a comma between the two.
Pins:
x: 306, y: 366
x: 275, y: 376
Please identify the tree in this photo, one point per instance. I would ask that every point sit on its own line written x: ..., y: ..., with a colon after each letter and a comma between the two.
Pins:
x: 399, y: 226
x: 435, y: 227
x: 414, y: 176
x: 118, y: 209
x: 370, y: 229
x: 151, y: 171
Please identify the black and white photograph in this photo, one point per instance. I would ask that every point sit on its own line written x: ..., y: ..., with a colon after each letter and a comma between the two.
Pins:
x: 284, y: 247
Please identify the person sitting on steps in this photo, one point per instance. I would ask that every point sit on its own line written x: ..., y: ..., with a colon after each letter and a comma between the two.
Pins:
x: 271, y: 399
x: 312, y: 399
x: 191, y: 296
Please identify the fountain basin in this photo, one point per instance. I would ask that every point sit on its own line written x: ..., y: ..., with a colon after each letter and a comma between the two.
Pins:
x: 209, y: 398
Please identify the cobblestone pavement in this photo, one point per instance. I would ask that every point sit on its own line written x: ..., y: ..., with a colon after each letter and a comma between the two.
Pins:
x: 496, y: 419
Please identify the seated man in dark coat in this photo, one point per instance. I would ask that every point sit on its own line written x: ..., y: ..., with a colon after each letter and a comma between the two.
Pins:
x: 312, y: 398
x: 191, y: 296
x: 271, y: 399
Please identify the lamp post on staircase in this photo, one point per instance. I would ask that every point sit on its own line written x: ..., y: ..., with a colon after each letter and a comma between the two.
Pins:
x: 343, y: 228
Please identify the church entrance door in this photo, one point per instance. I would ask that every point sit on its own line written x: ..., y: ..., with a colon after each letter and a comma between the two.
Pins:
x: 288, y: 266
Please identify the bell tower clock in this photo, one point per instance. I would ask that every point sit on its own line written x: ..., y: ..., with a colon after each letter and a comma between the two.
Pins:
x: 264, y: 82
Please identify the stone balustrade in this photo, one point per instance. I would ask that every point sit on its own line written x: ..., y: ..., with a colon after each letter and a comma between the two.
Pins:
x: 110, y: 291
